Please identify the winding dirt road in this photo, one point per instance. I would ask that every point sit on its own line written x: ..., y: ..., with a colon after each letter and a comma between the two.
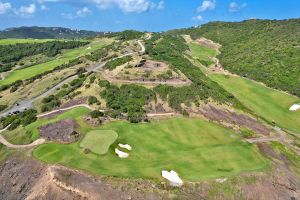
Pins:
x: 28, y: 103
x: 13, y: 146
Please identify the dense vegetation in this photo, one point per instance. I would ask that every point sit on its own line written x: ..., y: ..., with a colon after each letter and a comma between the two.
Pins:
x: 263, y: 50
x: 25, y: 118
x: 15, y: 85
x: 171, y: 49
x: 9, y: 54
x: 127, y: 35
x: 46, y: 33
x: 103, y: 53
x: 53, y: 101
x: 129, y: 99
x: 117, y: 62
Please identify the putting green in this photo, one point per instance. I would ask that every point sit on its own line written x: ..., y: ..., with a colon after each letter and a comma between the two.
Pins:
x: 194, y: 148
x: 99, y: 141
x: 272, y: 105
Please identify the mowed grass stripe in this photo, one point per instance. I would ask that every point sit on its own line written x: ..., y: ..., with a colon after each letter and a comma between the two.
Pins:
x: 195, y: 148
x: 201, y: 52
x: 66, y: 56
x: 272, y: 105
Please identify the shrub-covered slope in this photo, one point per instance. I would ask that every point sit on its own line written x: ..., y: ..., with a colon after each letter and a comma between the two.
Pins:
x: 45, y: 33
x: 263, y: 50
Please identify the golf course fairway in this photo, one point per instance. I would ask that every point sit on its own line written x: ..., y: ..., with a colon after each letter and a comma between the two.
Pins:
x: 194, y: 148
x: 272, y: 105
x: 66, y: 56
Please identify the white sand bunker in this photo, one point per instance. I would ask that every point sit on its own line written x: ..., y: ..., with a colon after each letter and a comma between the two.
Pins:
x: 295, y: 107
x: 173, y: 177
x: 121, y: 154
x: 88, y: 48
x: 125, y: 146
x: 221, y: 180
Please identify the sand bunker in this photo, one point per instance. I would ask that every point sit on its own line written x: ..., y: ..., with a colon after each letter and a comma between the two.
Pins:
x: 121, y: 154
x: 221, y: 180
x: 125, y: 146
x: 173, y: 177
x: 295, y: 107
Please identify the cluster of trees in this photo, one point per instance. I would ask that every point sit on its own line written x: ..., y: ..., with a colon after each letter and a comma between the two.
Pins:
x: 129, y: 99
x: 15, y: 85
x: 111, y: 65
x: 171, y: 49
x: 93, y: 100
x: 96, y: 114
x: 127, y: 35
x: 98, y: 54
x: 9, y: 54
x: 102, y: 54
x: 263, y: 50
x: 24, y: 118
x: 53, y: 101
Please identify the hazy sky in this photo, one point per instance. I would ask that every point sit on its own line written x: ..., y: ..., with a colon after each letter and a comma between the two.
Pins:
x: 152, y: 15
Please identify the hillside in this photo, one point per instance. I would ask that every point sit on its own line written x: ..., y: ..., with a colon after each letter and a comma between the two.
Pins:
x: 264, y: 50
x: 109, y: 117
x: 45, y: 33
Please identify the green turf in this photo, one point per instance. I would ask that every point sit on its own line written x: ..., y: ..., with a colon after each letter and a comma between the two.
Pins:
x: 66, y: 56
x: 15, y: 41
x: 268, y: 103
x: 202, y: 53
x: 195, y: 148
x: 99, y: 141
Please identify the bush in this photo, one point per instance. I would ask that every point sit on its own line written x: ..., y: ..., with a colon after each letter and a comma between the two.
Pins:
x: 96, y: 114
x: 3, y: 107
x: 92, y: 100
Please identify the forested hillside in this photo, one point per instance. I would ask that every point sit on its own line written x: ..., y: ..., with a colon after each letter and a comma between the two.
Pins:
x: 10, y: 54
x: 171, y: 49
x: 264, y: 50
x: 45, y: 33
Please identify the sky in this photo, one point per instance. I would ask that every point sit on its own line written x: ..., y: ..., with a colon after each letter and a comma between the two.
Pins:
x: 143, y: 15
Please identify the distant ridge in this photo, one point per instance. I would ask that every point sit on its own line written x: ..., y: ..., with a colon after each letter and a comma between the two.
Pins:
x: 36, y: 32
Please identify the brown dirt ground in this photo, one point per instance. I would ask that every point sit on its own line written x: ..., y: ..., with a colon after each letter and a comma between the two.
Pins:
x: 64, y: 131
x: 30, y: 179
x: 224, y: 115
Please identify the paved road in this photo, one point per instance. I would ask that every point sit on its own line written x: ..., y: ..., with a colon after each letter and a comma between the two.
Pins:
x: 28, y: 104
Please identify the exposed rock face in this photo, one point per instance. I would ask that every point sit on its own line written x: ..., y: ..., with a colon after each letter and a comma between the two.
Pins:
x: 64, y: 131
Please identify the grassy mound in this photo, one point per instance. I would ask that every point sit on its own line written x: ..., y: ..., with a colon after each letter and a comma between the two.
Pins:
x: 268, y: 103
x: 195, y: 148
x: 99, y: 141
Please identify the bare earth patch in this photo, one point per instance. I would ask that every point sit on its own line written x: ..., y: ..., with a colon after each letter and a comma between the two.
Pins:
x: 227, y: 116
x: 63, y: 131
